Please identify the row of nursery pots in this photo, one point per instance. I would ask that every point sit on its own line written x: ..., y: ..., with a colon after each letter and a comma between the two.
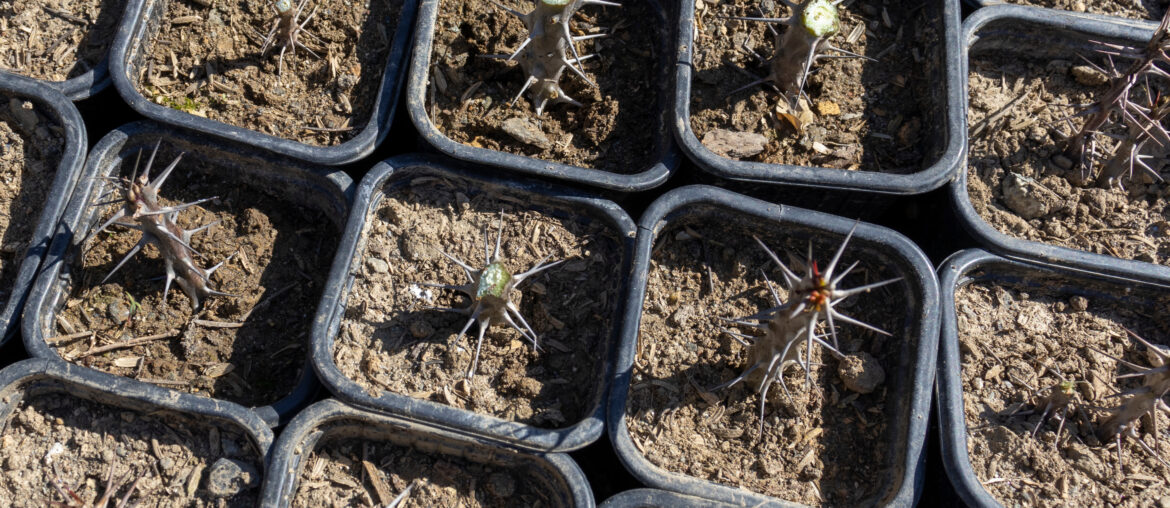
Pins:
x: 692, y: 260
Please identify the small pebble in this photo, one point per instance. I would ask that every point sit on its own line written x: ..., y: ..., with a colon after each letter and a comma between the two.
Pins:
x: 377, y: 265
x: 118, y: 311
x: 526, y: 132
x: 229, y: 476
x: 1087, y: 75
x: 861, y: 372
x: 1079, y: 303
x: 415, y: 249
x: 734, y: 144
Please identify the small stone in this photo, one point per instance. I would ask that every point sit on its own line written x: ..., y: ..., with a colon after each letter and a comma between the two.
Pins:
x: 229, y: 477
x: 829, y: 108
x: 1087, y: 75
x: 118, y: 311
x: 421, y: 329
x: 861, y: 372
x: 417, y: 250
x: 1020, y: 197
x: 501, y: 485
x: 734, y: 144
x: 1164, y: 502
x: 1079, y: 303
x: 526, y: 132
x: 377, y: 265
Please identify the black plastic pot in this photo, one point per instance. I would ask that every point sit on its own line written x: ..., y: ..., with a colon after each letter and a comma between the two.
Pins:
x: 328, y: 192
x: 908, y: 406
x: 133, y: 42
x: 331, y: 418
x: 976, y: 265
x: 1043, y: 32
x: 81, y: 87
x: 62, y: 112
x: 1141, y: 23
x: 654, y: 498
x: 666, y: 157
x: 945, y: 132
x: 397, y: 172
x: 39, y: 376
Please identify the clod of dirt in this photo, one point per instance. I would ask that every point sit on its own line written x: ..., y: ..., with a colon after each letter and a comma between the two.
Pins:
x: 1020, y: 195
x: 861, y: 372
x: 229, y: 477
x: 525, y: 131
x: 735, y: 143
x: 1086, y: 75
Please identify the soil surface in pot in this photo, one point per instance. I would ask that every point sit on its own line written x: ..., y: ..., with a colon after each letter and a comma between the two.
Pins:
x: 176, y: 459
x: 1018, y: 344
x: 615, y: 129
x: 871, y: 115
x: 30, y: 151
x: 825, y: 445
x: 391, y: 341
x: 1140, y: 9
x: 247, y: 348
x: 206, y: 61
x: 353, y: 472
x: 1013, y: 182
x: 56, y: 40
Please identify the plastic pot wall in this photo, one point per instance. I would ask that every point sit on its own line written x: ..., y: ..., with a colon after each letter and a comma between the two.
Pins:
x: 331, y: 418
x: 40, y: 376
x: 130, y: 52
x: 63, y: 113
x: 81, y: 87
x: 382, y: 180
x: 327, y: 192
x: 666, y: 157
x: 654, y: 498
x: 1143, y: 23
x: 976, y: 265
x: 839, y: 189
x: 1043, y: 32
x: 908, y: 405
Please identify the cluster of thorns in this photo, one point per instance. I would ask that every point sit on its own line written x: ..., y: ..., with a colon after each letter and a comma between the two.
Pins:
x: 1138, y: 410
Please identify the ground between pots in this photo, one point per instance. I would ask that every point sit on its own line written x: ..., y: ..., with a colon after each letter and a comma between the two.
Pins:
x: 30, y: 151
x: 176, y: 459
x: 248, y: 348
x: 868, y: 115
x: 826, y: 445
x: 615, y: 130
x: 1014, y: 183
x: 1017, y: 340
x: 351, y: 472
x: 390, y: 340
x: 56, y: 40
x: 1139, y: 9
x: 205, y: 59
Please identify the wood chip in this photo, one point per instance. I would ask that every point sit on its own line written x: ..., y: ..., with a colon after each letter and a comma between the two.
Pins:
x: 193, y: 480
x: 127, y: 362
x: 385, y: 497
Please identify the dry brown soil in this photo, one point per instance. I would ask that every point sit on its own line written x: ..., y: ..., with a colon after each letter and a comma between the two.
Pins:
x: 206, y: 61
x: 1015, y: 341
x: 391, y: 341
x: 57, y: 436
x: 30, y: 150
x: 336, y: 476
x: 1129, y: 224
x: 1134, y: 9
x: 248, y: 348
x: 825, y: 445
x: 614, y: 129
x: 870, y: 115
x: 56, y: 39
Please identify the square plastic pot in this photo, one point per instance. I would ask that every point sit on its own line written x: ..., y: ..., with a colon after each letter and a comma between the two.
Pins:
x: 944, y: 128
x: 383, y: 180
x: 977, y: 265
x: 666, y: 157
x: 296, y: 183
x: 38, y: 376
x: 908, y: 405
x: 331, y: 418
x: 654, y: 498
x: 129, y: 53
x: 1043, y: 31
x: 63, y: 113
